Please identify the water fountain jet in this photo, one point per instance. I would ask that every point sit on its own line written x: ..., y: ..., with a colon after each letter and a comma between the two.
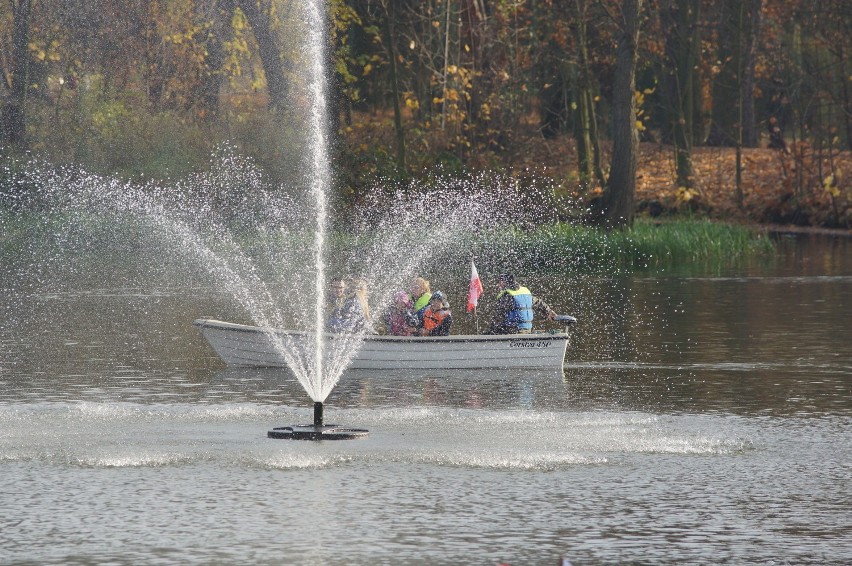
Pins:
x: 320, y: 180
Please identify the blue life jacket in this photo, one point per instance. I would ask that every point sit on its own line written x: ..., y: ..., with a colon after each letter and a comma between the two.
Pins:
x: 521, y: 315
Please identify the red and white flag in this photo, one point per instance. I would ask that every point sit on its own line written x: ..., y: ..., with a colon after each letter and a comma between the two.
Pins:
x: 475, y: 288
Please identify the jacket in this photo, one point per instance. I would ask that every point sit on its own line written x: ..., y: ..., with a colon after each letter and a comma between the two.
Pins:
x: 437, y: 322
x: 520, y: 316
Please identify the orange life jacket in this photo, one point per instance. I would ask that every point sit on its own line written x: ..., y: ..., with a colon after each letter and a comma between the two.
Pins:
x: 432, y: 319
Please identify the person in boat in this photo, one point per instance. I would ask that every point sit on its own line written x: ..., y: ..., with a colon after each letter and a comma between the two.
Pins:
x: 349, y: 313
x: 399, y: 319
x: 421, y: 293
x: 516, y: 307
x: 437, y: 318
x: 361, y: 295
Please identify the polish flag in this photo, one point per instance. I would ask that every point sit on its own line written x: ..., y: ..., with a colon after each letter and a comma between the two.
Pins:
x: 475, y: 288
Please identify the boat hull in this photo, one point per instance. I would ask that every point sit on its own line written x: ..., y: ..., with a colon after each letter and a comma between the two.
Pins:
x: 251, y: 346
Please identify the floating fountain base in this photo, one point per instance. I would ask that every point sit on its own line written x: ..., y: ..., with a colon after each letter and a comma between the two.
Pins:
x: 317, y: 431
x: 311, y: 432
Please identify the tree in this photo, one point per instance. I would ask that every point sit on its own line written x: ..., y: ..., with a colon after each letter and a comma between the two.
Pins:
x: 390, y: 39
x: 733, y: 108
x: 586, y: 123
x: 215, y: 17
x: 14, y: 119
x: 751, y: 34
x: 679, y: 19
x: 618, y: 197
x: 259, y: 15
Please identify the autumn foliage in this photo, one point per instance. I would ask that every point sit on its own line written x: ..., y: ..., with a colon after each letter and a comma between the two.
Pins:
x: 150, y: 89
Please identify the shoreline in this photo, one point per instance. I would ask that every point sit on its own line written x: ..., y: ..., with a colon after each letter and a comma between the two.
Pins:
x: 793, y: 230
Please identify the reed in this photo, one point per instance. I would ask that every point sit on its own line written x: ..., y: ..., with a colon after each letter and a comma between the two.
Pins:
x: 646, y: 244
x: 551, y: 247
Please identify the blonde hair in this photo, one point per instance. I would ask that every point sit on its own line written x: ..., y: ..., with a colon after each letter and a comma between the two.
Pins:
x: 423, y: 283
x: 361, y: 292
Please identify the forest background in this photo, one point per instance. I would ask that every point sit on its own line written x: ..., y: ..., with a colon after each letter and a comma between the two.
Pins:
x: 735, y: 109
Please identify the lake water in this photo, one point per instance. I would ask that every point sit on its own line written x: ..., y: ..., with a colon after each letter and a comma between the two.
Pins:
x: 703, y: 417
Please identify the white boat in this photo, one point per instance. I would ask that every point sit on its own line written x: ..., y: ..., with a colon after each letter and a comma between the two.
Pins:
x: 241, y: 345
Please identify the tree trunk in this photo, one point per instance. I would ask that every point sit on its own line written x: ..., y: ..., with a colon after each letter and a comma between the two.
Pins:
x: 726, y: 85
x: 749, y: 119
x: 681, y: 18
x: 741, y: 91
x: 582, y: 136
x: 585, y: 99
x: 619, y: 196
x: 14, y: 120
x: 390, y: 15
x: 847, y: 100
x: 597, y: 165
x: 270, y: 54
x: 218, y: 14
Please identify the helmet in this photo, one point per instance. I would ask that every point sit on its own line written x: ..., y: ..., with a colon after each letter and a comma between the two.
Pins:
x: 437, y: 295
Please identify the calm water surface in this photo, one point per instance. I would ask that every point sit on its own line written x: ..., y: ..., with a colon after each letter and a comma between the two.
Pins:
x: 703, y: 417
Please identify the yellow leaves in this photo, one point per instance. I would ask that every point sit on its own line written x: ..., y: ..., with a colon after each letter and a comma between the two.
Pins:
x: 343, y: 16
x: 237, y: 49
x: 367, y: 68
x: 685, y: 194
x: 831, y: 184
x: 188, y: 35
x: 238, y: 21
x: 639, y: 99
x: 258, y: 83
x: 41, y: 52
x: 411, y: 102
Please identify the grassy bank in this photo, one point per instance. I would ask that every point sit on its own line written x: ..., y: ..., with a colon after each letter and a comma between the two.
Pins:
x: 648, y: 244
x: 548, y: 248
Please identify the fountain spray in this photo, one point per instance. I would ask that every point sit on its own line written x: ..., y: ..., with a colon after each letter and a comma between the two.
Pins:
x: 320, y: 181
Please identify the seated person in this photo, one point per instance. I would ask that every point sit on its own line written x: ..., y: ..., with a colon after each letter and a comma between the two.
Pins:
x: 437, y: 318
x: 513, y: 312
x: 349, y: 313
x: 399, y: 319
x: 420, y: 295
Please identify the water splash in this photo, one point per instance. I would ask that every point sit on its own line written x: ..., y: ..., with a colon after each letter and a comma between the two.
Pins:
x: 231, y: 228
x: 269, y: 247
